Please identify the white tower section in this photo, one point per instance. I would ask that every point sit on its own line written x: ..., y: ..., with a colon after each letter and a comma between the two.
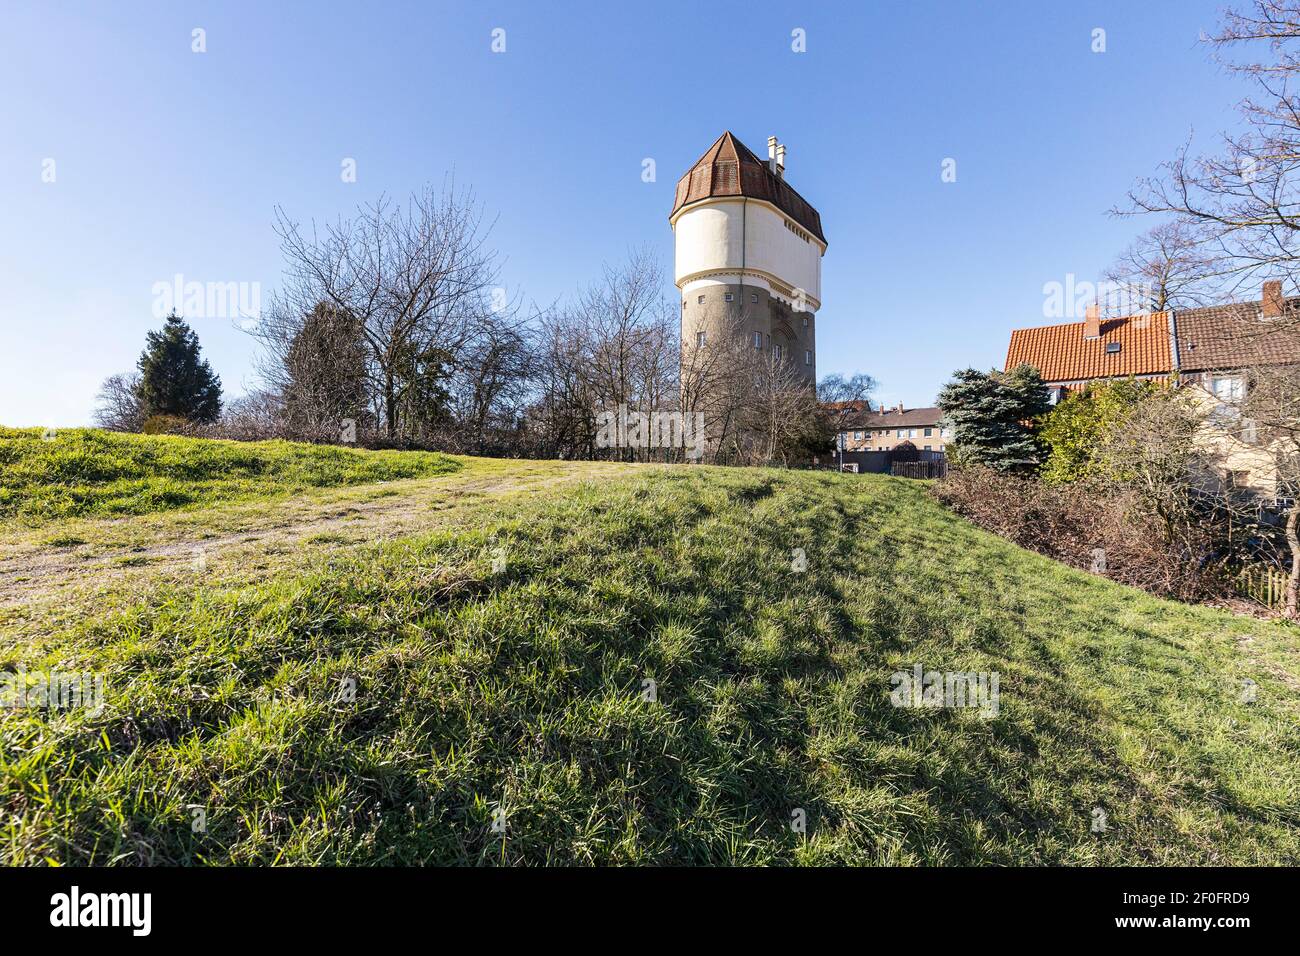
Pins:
x: 748, y: 256
x: 720, y: 240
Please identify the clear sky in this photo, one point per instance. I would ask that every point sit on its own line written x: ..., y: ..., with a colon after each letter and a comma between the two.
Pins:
x: 168, y: 161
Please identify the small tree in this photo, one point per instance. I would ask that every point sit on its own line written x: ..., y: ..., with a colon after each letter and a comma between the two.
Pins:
x: 1154, y: 456
x: 856, y: 388
x: 174, y: 379
x: 905, y: 451
x: 992, y: 416
x: 326, y: 369
x: 1077, y: 428
x: 118, y: 403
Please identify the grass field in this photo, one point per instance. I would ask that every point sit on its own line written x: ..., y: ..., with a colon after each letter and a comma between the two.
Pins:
x: 91, y: 473
x: 400, y: 688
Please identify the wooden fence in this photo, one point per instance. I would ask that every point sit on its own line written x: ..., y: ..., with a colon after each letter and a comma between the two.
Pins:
x: 1263, y: 584
x: 919, y: 469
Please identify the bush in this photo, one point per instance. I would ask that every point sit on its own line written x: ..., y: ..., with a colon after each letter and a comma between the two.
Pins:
x: 1070, y: 522
x: 166, y: 425
x: 1080, y: 426
x: 905, y: 452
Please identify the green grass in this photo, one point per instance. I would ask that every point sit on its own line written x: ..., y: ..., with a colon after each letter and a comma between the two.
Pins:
x: 523, y: 690
x: 91, y: 473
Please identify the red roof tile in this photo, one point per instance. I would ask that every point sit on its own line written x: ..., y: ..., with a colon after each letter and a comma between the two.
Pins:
x: 1062, y: 354
x: 1237, y: 336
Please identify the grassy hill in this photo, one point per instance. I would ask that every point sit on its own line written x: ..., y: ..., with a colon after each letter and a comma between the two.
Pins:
x: 92, y: 473
x: 377, y: 698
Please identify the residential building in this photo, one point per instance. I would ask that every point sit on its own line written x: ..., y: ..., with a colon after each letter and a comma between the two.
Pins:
x: 1071, y: 355
x: 1209, y: 349
x: 862, y: 428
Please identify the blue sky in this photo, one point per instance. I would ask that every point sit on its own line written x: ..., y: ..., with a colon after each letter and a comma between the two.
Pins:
x: 168, y: 161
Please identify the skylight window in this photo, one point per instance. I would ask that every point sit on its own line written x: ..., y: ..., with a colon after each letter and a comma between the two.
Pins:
x: 1112, y: 348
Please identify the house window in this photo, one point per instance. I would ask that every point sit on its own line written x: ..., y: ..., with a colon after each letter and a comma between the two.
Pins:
x: 911, y: 433
x: 857, y: 436
x: 758, y: 341
x: 701, y: 338
x: 1227, y: 390
x: 927, y: 447
x: 728, y: 296
x: 898, y: 433
x: 807, y: 356
x: 928, y: 433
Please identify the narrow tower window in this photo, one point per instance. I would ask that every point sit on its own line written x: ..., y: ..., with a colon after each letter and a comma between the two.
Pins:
x: 807, y: 356
x: 758, y: 341
x: 701, y: 338
x: 729, y: 297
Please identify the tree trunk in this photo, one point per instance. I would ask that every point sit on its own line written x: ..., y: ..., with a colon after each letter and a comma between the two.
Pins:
x: 1293, y: 541
x: 390, y: 404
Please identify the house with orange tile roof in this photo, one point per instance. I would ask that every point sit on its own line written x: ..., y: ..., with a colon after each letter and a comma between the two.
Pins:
x: 1210, y: 349
x: 1071, y: 355
x: 1199, y: 346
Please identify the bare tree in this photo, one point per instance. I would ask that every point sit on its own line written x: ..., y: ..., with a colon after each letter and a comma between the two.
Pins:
x: 253, y: 417
x: 613, y: 348
x: 1165, y: 268
x: 779, y: 423
x: 857, y: 388
x: 417, y: 279
x: 1240, y: 205
x: 492, y: 384
x: 118, y: 405
x: 561, y: 417
x: 716, y: 379
x: 1153, y: 452
x: 1271, y: 411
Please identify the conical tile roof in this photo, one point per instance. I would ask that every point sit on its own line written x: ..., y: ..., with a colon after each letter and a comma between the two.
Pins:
x: 730, y: 168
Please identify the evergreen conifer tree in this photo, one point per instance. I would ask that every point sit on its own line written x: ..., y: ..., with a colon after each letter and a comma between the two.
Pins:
x: 174, y: 378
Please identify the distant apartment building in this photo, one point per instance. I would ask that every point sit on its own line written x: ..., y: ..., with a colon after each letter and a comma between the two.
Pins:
x: 862, y: 428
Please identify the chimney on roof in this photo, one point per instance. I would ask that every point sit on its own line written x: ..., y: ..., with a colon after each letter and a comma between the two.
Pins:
x: 780, y: 160
x: 1270, y: 303
x: 771, y: 153
x: 1092, y: 322
x: 900, y: 408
